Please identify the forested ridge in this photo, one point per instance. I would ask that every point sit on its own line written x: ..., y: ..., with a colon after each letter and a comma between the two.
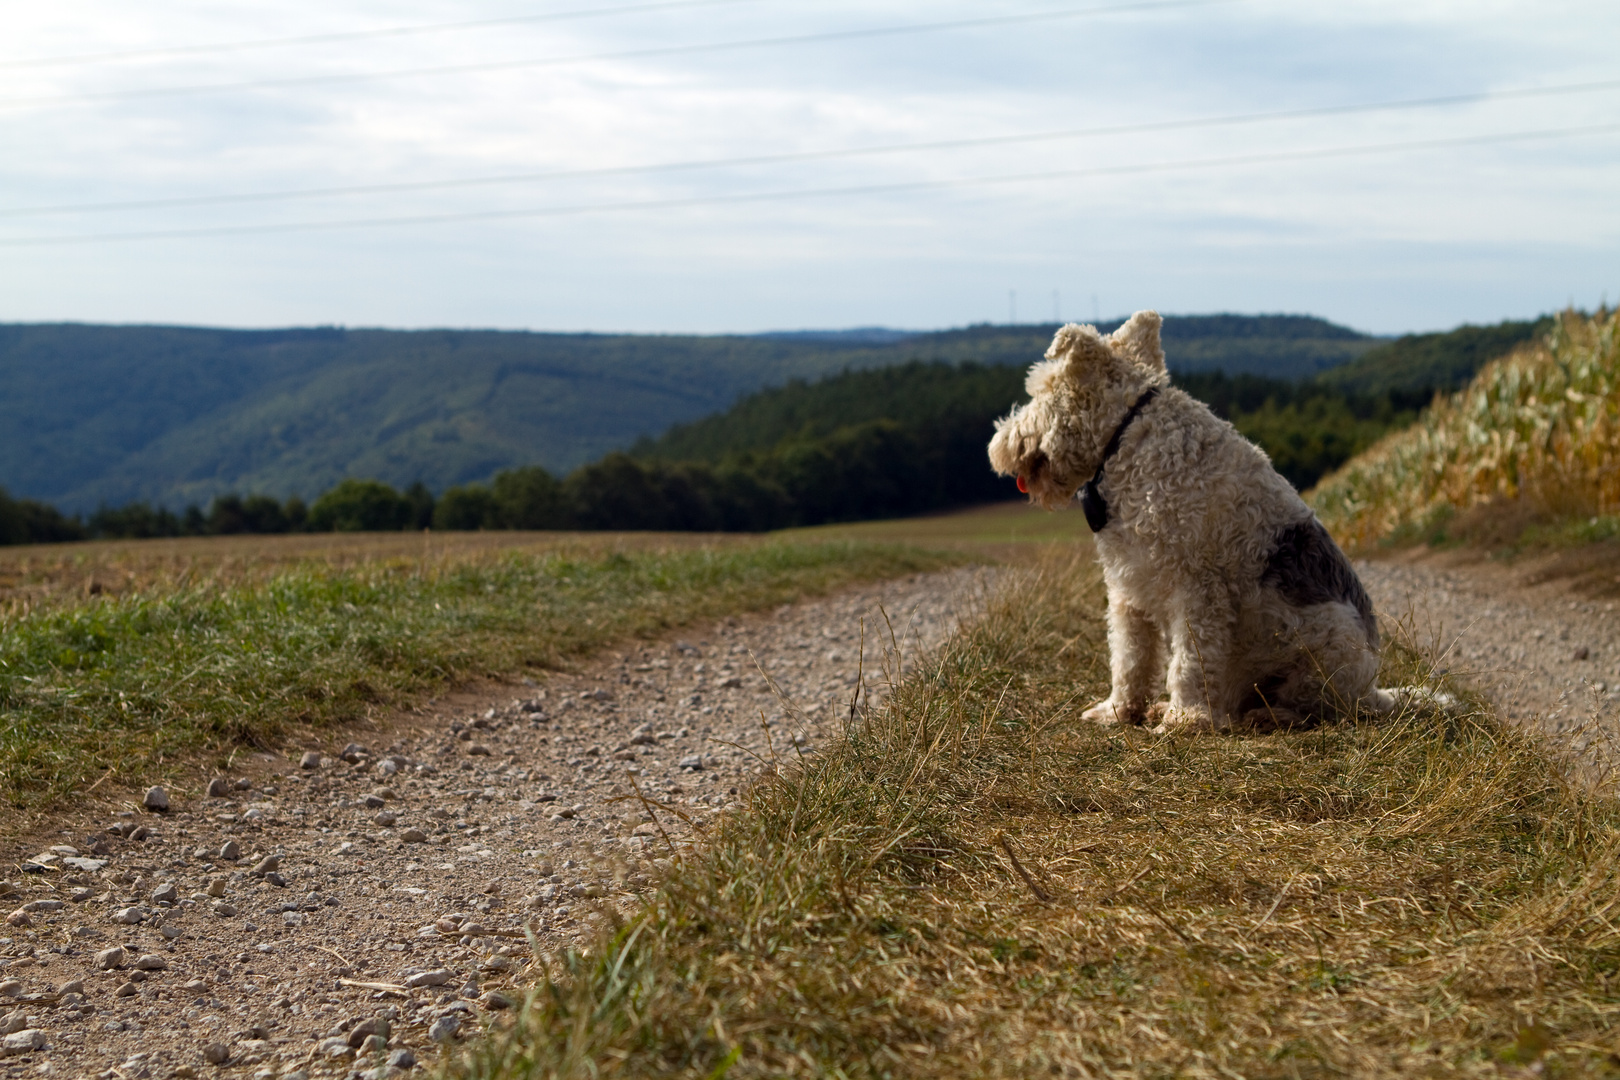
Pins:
x: 93, y: 415
x: 870, y: 441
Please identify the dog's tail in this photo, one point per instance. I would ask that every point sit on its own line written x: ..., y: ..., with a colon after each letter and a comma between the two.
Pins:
x: 1384, y: 701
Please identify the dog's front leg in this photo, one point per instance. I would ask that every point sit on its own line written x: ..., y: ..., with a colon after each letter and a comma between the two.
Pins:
x: 1199, y: 676
x: 1134, y: 657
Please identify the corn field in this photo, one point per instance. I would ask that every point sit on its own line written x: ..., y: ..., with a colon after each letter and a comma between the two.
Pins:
x: 1541, y: 424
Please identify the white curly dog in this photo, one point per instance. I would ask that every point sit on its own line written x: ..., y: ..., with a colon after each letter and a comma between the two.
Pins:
x: 1209, y: 555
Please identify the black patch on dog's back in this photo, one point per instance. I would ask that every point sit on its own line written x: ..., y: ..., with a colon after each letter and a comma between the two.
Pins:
x: 1307, y: 567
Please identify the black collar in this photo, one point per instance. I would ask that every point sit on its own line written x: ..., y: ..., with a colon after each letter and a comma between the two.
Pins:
x: 1091, y: 500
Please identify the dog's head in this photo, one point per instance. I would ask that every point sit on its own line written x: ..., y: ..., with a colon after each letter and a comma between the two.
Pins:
x: 1077, y: 396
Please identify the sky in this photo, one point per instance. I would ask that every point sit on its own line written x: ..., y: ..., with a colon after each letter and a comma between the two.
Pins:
x: 750, y: 165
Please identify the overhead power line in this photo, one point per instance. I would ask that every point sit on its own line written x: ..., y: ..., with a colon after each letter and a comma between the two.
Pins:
x: 815, y: 193
x: 355, y: 35
x: 816, y: 155
x: 649, y: 52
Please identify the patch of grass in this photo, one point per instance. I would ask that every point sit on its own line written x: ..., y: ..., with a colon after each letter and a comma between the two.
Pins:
x: 976, y: 883
x: 135, y: 685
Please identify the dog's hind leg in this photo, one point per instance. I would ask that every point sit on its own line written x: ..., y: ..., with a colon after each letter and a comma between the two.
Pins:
x: 1136, y: 660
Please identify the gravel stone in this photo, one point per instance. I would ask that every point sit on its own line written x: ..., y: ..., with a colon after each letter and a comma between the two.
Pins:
x: 10, y: 988
x: 437, y: 977
x: 151, y: 962
x: 414, y: 836
x: 219, y: 788
x: 166, y: 893
x: 23, y: 1042
x: 402, y: 1058
x: 157, y: 800
x: 216, y: 1053
x: 129, y: 916
x: 443, y: 1030
x: 111, y: 959
x: 310, y: 760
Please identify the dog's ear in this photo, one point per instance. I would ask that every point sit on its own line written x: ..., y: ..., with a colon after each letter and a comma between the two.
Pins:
x: 1076, y: 350
x: 1139, y: 339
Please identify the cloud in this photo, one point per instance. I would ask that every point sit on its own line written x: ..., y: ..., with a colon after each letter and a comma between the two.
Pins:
x: 1495, y: 229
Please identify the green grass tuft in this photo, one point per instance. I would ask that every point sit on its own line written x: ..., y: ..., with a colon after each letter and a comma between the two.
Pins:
x: 136, y: 685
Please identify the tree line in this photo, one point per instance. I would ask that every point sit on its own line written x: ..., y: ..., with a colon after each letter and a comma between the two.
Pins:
x: 874, y: 443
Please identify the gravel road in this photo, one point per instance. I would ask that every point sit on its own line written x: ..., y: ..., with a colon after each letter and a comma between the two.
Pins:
x: 348, y: 908
x: 1544, y: 654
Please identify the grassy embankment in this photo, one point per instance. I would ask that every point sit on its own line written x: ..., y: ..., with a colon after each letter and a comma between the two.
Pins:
x: 977, y: 884
x: 134, y: 661
x: 1528, y: 455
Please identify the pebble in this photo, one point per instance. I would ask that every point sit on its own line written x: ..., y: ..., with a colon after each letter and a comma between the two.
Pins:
x: 23, y: 1042
x: 151, y: 962
x: 444, y: 1029
x: 167, y: 893
x: 219, y: 788
x: 414, y: 836
x: 10, y: 988
x: 310, y: 760
x: 437, y: 977
x: 129, y: 916
x: 267, y: 864
x: 13, y: 1021
x: 692, y: 762
x: 157, y: 800
x: 20, y: 919
x: 216, y: 885
x: 111, y: 959
x: 224, y: 910
x: 216, y: 1053
x: 402, y: 1058
x: 127, y: 990
x: 230, y: 851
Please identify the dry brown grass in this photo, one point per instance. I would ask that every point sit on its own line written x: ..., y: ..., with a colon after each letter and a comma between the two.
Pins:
x: 977, y: 884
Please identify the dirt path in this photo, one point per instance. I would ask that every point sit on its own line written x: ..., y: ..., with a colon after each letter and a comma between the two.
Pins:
x: 1545, y: 654
x: 332, y: 913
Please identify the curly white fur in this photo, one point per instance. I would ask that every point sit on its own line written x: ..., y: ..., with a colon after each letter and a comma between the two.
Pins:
x: 1205, y: 594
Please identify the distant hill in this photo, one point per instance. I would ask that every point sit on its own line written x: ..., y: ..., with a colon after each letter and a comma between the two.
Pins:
x: 1422, y: 365
x: 174, y: 415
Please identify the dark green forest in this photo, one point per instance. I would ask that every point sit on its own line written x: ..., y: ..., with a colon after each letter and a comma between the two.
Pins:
x: 109, y: 415
x: 868, y: 442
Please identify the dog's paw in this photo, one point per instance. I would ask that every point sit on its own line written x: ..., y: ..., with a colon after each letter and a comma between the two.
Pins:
x: 1190, y: 720
x: 1107, y: 711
